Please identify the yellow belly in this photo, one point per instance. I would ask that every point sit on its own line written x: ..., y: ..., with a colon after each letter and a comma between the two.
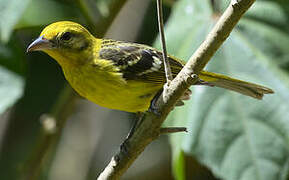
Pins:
x: 111, y: 91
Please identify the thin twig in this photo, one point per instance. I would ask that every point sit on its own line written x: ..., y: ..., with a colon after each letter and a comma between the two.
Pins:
x: 167, y: 66
x: 150, y: 128
x: 168, y: 130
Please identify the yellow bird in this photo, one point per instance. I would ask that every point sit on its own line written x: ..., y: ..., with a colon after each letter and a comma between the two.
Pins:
x: 119, y: 75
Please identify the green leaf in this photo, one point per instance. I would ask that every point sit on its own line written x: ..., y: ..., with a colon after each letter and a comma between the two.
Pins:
x: 236, y: 136
x: 266, y: 24
x: 11, y: 88
x: 272, y: 41
x: 269, y: 12
x: 11, y: 12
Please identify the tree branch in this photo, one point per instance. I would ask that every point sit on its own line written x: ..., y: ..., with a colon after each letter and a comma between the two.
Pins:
x: 151, y: 125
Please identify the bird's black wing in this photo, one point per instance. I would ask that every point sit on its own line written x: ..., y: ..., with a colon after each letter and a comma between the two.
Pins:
x: 138, y: 62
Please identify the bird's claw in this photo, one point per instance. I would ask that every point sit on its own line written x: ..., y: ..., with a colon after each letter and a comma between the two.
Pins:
x: 124, y: 146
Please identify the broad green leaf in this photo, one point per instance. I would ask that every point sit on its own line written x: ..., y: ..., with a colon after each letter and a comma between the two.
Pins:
x: 266, y: 24
x: 266, y: 11
x: 270, y: 40
x: 10, y: 13
x: 269, y: 12
x: 11, y: 88
x: 237, y: 137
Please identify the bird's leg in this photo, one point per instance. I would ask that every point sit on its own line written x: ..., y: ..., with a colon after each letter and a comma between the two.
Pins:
x: 153, y: 107
x: 138, y: 120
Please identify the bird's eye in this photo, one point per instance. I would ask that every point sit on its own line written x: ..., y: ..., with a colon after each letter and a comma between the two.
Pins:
x: 66, y: 36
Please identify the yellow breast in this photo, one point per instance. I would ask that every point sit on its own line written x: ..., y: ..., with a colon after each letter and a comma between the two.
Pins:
x: 110, y: 90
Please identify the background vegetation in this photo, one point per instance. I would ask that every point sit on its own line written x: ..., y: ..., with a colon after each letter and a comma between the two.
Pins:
x: 48, y: 132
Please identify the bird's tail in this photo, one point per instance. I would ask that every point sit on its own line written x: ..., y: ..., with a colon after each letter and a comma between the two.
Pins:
x: 246, y: 88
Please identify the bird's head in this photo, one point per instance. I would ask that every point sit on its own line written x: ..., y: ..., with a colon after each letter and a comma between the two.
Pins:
x: 65, y: 41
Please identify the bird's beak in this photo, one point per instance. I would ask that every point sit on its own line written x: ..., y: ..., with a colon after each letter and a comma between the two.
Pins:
x: 39, y: 44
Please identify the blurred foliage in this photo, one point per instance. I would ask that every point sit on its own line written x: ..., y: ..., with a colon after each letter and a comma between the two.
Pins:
x: 11, y: 11
x: 11, y: 87
x: 49, y: 11
x: 233, y: 136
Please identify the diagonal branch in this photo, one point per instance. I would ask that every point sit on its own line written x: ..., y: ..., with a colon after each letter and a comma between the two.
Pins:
x: 151, y: 125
